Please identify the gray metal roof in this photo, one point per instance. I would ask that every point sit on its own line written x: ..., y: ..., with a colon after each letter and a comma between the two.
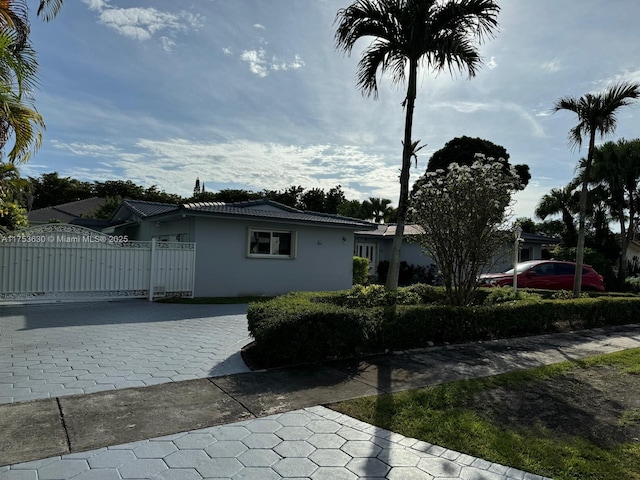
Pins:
x: 259, y: 209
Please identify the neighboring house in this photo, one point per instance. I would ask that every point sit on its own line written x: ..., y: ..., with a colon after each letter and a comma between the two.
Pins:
x: 633, y: 255
x: 73, y: 213
x: 376, y: 246
x: 256, y: 247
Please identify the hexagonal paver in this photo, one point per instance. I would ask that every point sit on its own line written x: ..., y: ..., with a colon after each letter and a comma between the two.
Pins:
x: 333, y: 473
x: 326, y: 440
x: 219, y: 467
x: 256, y: 473
x: 293, y: 419
x: 194, y: 441
x: 155, y: 450
x: 258, y: 458
x: 360, y: 448
x: 62, y: 469
x: 330, y: 457
x: 295, y: 467
x: 179, y: 474
x: 186, y: 458
x: 261, y: 440
x: 323, y: 426
x: 439, y: 467
x: 407, y: 473
x: 294, y: 448
x: 368, y: 467
x: 263, y: 425
x: 230, y: 433
x: 399, y: 457
x: 142, y: 468
x: 111, y: 459
x: 349, y: 433
x: 226, y: 448
x: 99, y: 474
x: 294, y: 433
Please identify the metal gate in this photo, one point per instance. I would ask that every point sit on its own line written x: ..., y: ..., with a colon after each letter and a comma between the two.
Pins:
x: 56, y: 262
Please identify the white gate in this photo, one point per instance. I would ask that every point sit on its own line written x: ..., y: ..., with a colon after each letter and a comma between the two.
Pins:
x: 56, y: 261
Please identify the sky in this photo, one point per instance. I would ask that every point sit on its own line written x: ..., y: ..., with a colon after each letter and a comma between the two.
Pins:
x: 253, y: 94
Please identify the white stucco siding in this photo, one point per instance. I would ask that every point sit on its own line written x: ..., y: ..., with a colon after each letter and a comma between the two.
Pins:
x: 323, y: 259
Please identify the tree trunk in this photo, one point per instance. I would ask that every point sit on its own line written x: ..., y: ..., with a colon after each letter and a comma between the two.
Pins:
x: 403, y: 200
x: 577, y: 279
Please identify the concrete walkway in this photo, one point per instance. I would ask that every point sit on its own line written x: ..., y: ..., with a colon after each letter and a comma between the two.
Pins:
x: 282, y: 433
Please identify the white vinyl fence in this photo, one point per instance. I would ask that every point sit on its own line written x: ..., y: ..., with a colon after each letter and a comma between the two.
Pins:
x: 58, y: 261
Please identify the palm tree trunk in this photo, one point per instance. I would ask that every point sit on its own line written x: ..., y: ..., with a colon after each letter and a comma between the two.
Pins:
x: 577, y: 279
x: 403, y: 200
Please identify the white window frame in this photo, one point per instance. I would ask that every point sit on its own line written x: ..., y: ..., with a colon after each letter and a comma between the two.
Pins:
x: 294, y: 238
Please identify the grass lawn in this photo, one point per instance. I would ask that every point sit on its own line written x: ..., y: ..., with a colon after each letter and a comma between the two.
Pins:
x: 573, y: 420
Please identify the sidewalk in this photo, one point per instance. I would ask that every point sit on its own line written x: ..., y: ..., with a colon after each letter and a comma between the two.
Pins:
x: 283, y: 433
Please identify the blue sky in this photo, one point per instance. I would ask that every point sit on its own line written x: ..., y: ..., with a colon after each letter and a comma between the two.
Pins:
x: 252, y: 94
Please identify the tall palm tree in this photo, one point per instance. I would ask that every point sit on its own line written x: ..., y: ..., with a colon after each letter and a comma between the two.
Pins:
x: 438, y: 34
x: 596, y: 115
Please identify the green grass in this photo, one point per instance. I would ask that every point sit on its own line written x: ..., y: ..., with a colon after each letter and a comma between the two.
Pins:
x: 214, y: 300
x: 448, y: 415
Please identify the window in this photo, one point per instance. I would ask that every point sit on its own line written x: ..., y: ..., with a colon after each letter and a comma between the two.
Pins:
x: 525, y: 254
x: 268, y: 243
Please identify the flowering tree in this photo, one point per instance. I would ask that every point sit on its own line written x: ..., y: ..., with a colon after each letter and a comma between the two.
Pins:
x: 463, y: 213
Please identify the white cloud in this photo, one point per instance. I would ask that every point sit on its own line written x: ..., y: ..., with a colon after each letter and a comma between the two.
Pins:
x: 552, y: 66
x: 167, y: 44
x: 142, y: 23
x: 259, y: 26
x: 227, y: 51
x: 253, y: 165
x: 492, y: 63
x: 260, y: 65
x: 88, y: 150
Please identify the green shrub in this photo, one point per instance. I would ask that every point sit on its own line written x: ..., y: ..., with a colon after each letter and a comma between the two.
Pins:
x: 632, y: 284
x: 507, y: 295
x: 296, y: 328
x: 308, y: 327
x: 360, y: 270
x: 378, y: 296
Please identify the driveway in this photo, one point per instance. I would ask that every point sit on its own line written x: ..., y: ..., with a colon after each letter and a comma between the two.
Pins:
x: 65, y: 349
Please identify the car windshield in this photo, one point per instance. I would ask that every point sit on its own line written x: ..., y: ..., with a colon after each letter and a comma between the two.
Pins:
x: 521, y: 267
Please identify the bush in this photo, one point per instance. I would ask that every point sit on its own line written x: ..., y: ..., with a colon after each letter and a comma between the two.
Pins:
x: 503, y: 295
x: 309, y: 327
x: 632, y: 284
x: 360, y: 270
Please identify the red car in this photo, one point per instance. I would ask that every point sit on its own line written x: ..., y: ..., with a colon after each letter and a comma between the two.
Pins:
x: 548, y: 274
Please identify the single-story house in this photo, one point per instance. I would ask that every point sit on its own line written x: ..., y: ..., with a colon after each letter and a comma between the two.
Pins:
x: 72, y: 213
x: 376, y: 246
x: 257, y: 247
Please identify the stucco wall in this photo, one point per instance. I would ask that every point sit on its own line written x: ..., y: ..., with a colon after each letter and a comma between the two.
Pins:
x: 323, y: 260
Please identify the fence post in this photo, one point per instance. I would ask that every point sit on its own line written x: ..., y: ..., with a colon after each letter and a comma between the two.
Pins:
x: 152, y: 269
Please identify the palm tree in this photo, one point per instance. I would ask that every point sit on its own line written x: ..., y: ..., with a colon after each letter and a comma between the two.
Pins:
x: 18, y: 67
x: 596, y: 115
x: 616, y: 166
x: 560, y: 201
x: 406, y: 34
x: 377, y: 208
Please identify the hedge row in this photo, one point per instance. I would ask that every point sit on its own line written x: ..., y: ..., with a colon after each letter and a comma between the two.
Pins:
x: 308, y: 327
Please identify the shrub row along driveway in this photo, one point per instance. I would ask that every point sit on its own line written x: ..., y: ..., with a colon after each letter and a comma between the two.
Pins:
x: 65, y: 349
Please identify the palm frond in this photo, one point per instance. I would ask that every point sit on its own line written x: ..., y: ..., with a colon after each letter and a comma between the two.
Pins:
x: 48, y: 9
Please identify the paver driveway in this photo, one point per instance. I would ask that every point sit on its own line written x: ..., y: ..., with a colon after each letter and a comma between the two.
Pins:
x: 65, y: 349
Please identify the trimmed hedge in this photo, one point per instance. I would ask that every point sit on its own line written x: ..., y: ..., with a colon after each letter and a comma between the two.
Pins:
x: 308, y: 327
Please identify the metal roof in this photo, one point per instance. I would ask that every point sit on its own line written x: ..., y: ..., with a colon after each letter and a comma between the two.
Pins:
x: 259, y: 209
